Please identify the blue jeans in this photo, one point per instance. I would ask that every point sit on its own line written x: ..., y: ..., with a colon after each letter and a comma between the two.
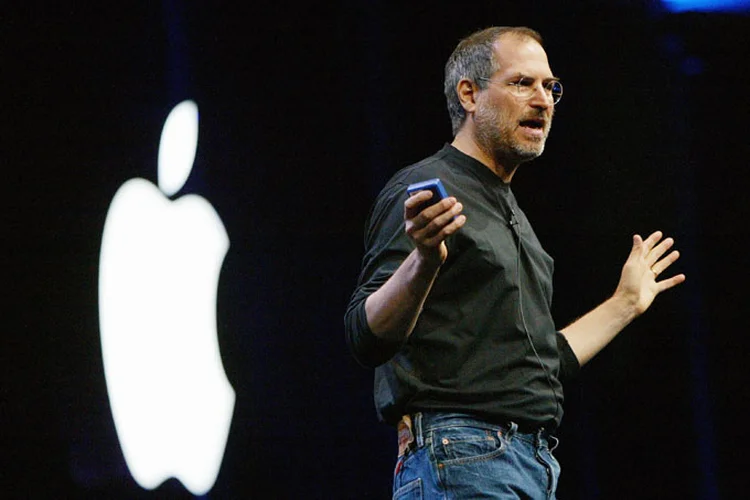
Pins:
x: 456, y: 456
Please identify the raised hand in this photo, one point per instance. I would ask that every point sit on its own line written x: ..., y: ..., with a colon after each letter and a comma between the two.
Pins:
x: 638, y: 280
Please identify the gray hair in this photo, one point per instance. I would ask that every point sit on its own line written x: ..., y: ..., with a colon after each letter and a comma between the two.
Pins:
x: 474, y: 59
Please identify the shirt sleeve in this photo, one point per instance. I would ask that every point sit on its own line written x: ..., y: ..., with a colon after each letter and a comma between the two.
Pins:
x: 386, y: 247
x: 569, y: 365
x: 369, y: 350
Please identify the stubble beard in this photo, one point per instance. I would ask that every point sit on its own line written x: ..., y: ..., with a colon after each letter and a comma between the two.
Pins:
x: 495, y: 135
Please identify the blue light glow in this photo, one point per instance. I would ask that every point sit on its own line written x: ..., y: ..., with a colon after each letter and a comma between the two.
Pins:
x: 707, y: 5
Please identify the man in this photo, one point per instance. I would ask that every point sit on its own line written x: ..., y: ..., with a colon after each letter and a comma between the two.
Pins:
x: 453, y: 301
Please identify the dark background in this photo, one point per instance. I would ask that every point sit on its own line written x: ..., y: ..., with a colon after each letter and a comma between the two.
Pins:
x: 305, y: 111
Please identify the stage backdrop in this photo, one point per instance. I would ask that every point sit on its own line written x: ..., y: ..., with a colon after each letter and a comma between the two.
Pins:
x: 305, y: 110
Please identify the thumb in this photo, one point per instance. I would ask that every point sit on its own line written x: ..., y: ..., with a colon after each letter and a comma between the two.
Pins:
x: 637, y: 242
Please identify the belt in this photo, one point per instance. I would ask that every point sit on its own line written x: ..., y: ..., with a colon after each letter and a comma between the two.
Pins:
x: 410, y: 433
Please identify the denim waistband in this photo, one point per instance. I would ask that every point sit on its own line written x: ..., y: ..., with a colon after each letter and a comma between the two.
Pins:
x: 421, y: 423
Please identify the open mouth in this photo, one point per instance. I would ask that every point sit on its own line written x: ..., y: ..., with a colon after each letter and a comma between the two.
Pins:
x: 533, y: 128
x: 533, y: 123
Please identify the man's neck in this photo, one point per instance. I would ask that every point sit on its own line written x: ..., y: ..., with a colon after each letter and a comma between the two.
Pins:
x: 466, y: 143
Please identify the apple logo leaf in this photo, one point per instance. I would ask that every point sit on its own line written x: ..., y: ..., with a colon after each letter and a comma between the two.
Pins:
x: 179, y: 141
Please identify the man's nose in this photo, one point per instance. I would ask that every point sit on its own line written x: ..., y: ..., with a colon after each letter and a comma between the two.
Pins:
x: 541, y: 98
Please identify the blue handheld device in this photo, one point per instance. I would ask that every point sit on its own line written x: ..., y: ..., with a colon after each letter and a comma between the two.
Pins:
x: 434, y: 185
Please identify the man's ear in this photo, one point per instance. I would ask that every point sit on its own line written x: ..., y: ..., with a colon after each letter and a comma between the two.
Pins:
x: 467, y: 93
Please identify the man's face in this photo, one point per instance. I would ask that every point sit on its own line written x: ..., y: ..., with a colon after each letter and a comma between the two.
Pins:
x: 509, y: 127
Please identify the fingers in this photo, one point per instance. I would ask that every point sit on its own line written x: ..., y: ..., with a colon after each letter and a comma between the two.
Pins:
x: 658, y: 251
x: 412, y: 205
x: 431, y: 225
x: 421, y: 214
x: 660, y: 266
x: 652, y: 239
x: 653, y: 251
x: 670, y: 282
x: 434, y: 239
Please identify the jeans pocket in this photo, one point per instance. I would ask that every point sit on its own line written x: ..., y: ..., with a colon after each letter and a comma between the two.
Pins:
x: 455, y: 445
x: 410, y: 491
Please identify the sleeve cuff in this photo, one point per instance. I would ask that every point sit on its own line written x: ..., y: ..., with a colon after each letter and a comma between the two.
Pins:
x: 368, y: 349
x: 569, y: 365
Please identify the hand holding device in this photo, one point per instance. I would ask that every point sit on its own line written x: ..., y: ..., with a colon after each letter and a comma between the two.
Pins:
x: 429, y: 233
x: 434, y: 185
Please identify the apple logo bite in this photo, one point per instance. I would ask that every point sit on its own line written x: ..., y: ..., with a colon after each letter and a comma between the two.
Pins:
x: 158, y: 277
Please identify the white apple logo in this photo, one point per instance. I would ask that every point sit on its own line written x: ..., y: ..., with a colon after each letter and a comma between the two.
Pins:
x: 158, y: 277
